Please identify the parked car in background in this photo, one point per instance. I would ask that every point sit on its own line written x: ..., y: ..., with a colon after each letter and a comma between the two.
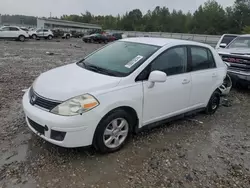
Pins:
x: 237, y: 56
x: 44, y: 33
x: 58, y: 33
x: 13, y: 32
x: 77, y: 34
x: 225, y: 40
x: 118, y: 36
x: 98, y: 38
x: 66, y: 35
x: 121, y: 89
x: 111, y: 38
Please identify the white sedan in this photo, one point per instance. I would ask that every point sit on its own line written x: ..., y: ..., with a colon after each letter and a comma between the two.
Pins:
x: 122, y: 88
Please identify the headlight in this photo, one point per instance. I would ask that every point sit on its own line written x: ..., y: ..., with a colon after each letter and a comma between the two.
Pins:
x: 76, y: 105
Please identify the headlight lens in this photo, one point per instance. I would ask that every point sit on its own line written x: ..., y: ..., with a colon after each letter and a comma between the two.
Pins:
x: 76, y: 105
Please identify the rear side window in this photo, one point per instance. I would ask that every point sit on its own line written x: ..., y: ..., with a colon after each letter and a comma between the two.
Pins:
x: 5, y: 29
x: 172, y: 62
x: 202, y: 58
x: 14, y: 29
x: 227, y: 39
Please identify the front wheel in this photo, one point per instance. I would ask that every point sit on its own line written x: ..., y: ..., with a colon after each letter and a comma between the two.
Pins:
x: 213, y: 103
x: 34, y: 36
x: 67, y: 36
x: 113, y: 131
x: 21, y: 38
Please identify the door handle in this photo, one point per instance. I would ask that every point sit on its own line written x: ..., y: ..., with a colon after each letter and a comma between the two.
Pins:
x: 185, y: 81
x: 214, y: 75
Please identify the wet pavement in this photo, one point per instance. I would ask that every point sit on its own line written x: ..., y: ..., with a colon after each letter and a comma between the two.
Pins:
x: 198, y: 151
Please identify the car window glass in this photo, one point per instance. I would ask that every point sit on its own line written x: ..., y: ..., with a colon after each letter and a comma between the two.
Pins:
x: 13, y: 29
x: 202, y: 58
x: 39, y: 30
x: 122, y: 57
x: 5, y: 29
x: 173, y: 61
x: 227, y: 39
x: 240, y: 42
x: 45, y: 30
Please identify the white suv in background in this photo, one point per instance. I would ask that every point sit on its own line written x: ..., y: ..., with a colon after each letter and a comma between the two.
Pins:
x: 43, y: 33
x: 13, y: 32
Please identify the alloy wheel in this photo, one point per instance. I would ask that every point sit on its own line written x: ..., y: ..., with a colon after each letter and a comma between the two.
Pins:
x: 116, y: 133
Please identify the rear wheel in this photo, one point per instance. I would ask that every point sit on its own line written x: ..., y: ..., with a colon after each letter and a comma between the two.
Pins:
x: 50, y: 37
x: 21, y: 38
x: 113, y: 131
x: 67, y: 36
x: 213, y: 103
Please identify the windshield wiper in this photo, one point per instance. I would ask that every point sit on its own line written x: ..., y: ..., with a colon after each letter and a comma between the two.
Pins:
x: 81, y: 64
x: 100, y: 70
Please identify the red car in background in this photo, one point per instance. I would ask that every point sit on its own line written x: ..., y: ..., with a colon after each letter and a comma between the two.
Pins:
x: 111, y: 38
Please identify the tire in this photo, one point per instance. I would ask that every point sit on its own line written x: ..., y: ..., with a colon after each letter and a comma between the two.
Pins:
x: 113, y: 134
x: 67, y: 36
x: 50, y: 37
x: 21, y: 38
x: 34, y: 36
x: 213, y: 103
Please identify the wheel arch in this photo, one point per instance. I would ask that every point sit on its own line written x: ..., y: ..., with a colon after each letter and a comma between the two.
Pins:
x: 130, y: 110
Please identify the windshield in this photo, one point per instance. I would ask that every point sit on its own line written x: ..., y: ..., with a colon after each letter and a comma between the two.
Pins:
x: 240, y: 42
x: 120, y: 58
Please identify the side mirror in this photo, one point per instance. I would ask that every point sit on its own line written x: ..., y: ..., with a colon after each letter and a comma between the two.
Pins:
x: 223, y: 45
x: 156, y: 76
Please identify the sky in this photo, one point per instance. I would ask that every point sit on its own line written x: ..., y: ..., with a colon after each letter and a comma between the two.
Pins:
x: 96, y: 7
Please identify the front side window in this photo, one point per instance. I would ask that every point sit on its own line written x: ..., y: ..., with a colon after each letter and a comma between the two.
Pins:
x: 45, y: 30
x: 202, y: 58
x: 240, y: 42
x: 172, y: 62
x: 119, y: 58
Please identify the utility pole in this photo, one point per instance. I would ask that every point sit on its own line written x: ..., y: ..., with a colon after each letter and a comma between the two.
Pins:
x: 50, y: 15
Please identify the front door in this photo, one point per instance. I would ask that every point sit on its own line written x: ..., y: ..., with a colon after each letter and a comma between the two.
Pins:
x: 171, y: 97
x: 39, y: 32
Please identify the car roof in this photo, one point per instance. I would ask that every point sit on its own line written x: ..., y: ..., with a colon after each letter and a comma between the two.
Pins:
x: 245, y: 35
x: 162, y: 41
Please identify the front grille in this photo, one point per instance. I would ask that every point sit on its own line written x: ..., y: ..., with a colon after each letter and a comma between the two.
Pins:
x: 39, y: 128
x: 237, y: 62
x: 37, y: 100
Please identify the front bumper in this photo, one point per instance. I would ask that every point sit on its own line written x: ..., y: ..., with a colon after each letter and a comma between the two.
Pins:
x: 240, y: 76
x: 79, y: 129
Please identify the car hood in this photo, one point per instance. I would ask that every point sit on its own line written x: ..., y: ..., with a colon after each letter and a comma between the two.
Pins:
x: 71, y: 80
x: 236, y: 51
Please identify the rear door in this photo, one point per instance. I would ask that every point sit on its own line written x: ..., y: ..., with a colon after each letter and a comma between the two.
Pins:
x: 204, y: 76
x: 45, y: 33
x: 14, y: 32
x: 4, y: 33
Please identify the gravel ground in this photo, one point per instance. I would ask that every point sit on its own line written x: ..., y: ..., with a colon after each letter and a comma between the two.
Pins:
x: 199, y: 151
